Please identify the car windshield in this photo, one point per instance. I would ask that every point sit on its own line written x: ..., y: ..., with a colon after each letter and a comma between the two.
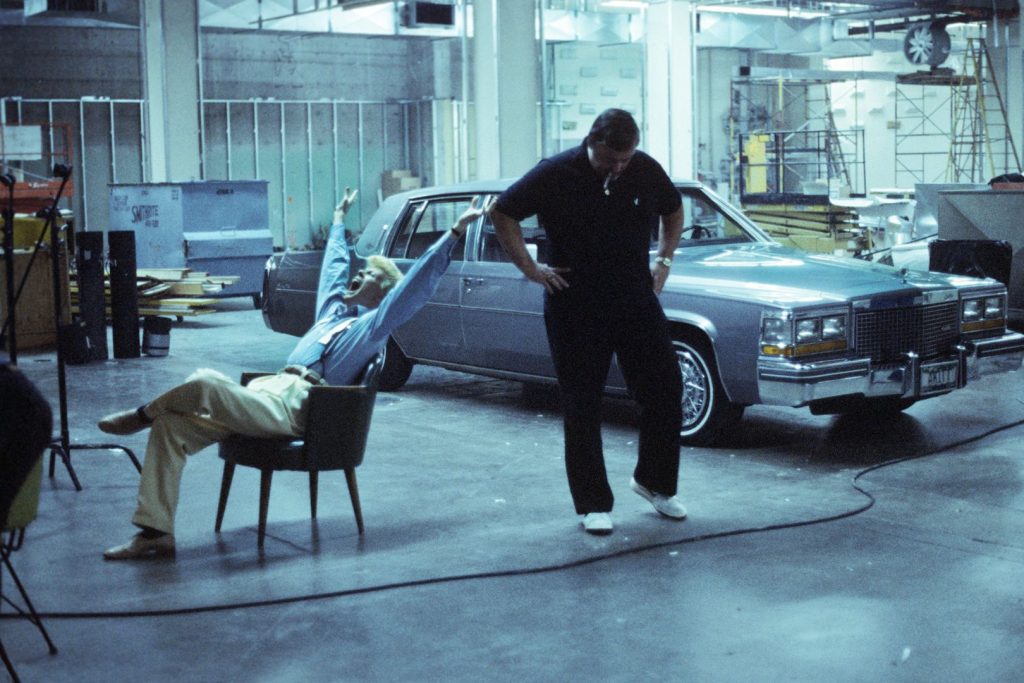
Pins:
x: 705, y: 223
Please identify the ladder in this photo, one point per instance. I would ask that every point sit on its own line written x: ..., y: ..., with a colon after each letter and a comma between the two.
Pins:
x: 833, y: 145
x: 981, y: 145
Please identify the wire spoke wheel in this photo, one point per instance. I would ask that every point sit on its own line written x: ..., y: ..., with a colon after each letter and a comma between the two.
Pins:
x: 697, y: 392
x: 706, y: 410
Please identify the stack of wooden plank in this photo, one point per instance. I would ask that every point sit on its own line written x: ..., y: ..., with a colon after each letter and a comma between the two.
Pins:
x: 171, y: 291
x: 819, y: 228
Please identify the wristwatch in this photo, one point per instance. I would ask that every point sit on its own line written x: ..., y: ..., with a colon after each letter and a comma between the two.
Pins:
x: 664, y: 260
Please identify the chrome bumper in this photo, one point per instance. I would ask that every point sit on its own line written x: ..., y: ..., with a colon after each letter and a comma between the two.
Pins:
x: 784, y: 382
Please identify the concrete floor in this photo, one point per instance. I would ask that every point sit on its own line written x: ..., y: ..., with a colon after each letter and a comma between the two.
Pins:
x: 474, y: 566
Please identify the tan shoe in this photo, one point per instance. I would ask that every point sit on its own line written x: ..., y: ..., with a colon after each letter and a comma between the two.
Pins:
x: 123, y: 423
x: 141, y: 547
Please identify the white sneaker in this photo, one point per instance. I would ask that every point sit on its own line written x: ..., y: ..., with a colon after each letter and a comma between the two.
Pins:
x: 669, y: 506
x: 597, y: 523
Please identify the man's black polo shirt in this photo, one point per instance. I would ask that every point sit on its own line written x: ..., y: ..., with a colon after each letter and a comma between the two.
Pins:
x: 603, y: 238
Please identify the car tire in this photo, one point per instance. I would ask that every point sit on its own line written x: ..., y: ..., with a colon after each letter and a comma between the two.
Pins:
x: 397, y: 368
x: 706, y: 410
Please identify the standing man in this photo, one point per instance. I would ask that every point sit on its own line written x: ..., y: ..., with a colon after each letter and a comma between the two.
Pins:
x: 600, y: 204
x: 355, y: 315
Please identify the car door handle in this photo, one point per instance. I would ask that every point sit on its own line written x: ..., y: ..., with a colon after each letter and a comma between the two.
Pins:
x: 470, y: 281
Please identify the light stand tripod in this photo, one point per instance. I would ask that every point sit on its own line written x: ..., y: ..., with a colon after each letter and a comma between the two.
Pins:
x: 62, y: 446
x: 9, y: 333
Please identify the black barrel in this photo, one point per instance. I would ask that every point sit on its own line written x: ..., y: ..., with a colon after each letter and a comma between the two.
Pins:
x: 156, y: 335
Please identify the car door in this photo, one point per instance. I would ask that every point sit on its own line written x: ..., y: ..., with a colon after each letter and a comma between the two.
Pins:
x: 502, y: 311
x: 435, y: 332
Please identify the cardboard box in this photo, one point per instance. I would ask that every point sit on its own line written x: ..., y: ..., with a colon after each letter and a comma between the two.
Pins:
x: 35, y: 325
x: 27, y: 230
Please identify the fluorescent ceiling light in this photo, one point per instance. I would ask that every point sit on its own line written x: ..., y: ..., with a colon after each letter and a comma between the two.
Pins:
x: 623, y: 4
x: 794, y: 12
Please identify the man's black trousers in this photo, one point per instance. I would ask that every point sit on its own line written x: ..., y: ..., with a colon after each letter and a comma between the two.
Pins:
x: 584, y: 330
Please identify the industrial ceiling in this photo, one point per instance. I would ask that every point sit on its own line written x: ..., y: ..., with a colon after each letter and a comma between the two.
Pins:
x: 393, y: 16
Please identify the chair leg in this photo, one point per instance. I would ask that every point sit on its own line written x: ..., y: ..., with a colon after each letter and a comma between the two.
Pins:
x: 265, y: 480
x: 314, y: 481
x: 8, y: 663
x: 353, y: 492
x: 32, y: 615
x: 225, y: 489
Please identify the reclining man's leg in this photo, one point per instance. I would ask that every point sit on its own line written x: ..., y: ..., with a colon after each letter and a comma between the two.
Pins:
x: 203, y: 410
x: 272, y: 408
x: 172, y: 438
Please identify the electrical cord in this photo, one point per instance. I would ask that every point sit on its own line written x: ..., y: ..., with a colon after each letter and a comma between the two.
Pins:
x: 529, y: 571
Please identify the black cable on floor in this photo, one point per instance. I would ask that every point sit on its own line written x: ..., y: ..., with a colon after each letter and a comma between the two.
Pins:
x: 528, y: 571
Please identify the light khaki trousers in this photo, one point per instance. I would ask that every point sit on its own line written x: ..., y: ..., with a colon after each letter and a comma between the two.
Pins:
x: 203, y: 410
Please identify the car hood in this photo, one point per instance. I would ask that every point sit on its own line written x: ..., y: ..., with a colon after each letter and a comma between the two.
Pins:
x: 776, y: 275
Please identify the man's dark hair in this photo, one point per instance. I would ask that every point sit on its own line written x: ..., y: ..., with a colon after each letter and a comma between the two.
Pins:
x: 615, y: 128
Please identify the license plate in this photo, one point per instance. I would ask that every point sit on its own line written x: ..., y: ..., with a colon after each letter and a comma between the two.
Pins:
x: 939, y: 377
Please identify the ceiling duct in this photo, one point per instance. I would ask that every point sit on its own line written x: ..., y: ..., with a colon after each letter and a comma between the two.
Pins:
x: 74, y: 12
x: 428, y: 14
x: 33, y: 7
x: 780, y: 35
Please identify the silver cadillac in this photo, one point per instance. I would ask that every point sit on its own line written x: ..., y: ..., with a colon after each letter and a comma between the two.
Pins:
x: 753, y: 321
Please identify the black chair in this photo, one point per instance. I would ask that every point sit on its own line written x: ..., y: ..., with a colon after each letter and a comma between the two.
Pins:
x: 26, y: 427
x: 337, y: 426
x: 22, y: 512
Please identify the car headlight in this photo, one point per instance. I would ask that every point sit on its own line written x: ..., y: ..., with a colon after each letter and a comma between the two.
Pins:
x: 803, y: 335
x: 776, y: 332
x: 833, y: 327
x: 972, y: 309
x: 983, y: 313
x: 808, y: 330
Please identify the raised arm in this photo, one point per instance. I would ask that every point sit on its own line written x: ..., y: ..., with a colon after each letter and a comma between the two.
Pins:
x: 419, y: 284
x: 334, y: 270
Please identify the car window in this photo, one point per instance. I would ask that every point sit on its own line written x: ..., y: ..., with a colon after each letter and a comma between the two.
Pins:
x: 704, y: 222
x: 424, y: 224
x: 533, y: 234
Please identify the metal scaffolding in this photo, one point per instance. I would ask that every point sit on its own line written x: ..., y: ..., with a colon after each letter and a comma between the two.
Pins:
x: 786, y: 141
x: 952, y: 127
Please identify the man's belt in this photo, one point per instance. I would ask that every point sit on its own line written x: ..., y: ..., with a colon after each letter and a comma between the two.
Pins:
x: 304, y: 373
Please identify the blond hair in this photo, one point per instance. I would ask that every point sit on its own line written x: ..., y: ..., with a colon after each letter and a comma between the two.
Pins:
x: 392, y: 275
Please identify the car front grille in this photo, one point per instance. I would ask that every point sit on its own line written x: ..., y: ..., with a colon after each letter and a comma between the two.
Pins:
x: 886, y: 335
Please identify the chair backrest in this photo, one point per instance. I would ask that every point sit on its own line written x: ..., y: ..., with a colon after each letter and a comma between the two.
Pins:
x: 370, y: 376
x: 26, y: 503
x: 338, y: 421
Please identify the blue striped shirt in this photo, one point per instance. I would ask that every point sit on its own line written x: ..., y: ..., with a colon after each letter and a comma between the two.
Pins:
x: 342, y: 359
